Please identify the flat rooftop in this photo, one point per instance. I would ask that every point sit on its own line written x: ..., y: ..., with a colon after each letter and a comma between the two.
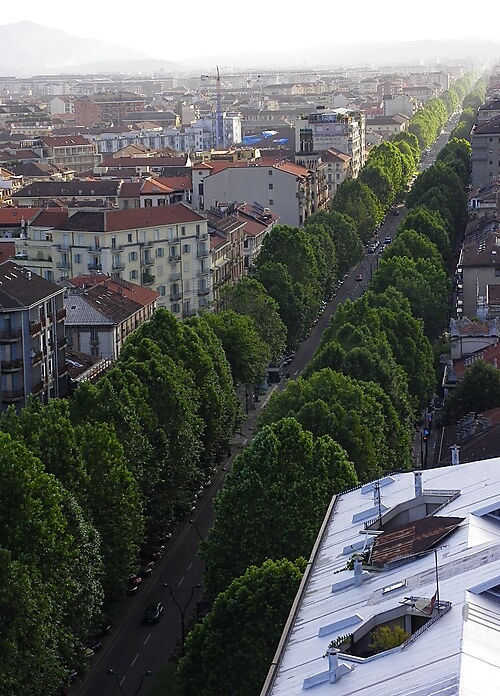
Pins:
x: 458, y: 654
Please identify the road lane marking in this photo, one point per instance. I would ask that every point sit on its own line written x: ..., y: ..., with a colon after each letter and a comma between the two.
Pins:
x: 147, y: 638
x: 122, y: 680
x: 133, y: 661
x: 190, y: 566
x: 180, y: 581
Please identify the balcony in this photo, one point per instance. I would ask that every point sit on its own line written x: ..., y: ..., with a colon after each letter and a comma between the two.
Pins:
x: 189, y: 313
x: 203, y: 291
x: 148, y: 279
x: 202, y: 253
x: 12, y: 395
x: 63, y: 246
x: 147, y: 261
x: 61, y: 343
x: 202, y: 273
x: 61, y: 314
x: 21, y: 255
x: 174, y: 257
x: 65, y: 265
x: 63, y: 370
x: 118, y: 266
x: 38, y: 388
x: 174, y: 296
x: 10, y: 335
x: 175, y: 277
x: 12, y: 365
x: 95, y: 267
x: 147, y: 245
x: 36, y: 358
x: 35, y: 327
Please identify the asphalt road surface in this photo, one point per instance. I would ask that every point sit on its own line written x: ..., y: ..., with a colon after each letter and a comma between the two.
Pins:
x: 133, y: 648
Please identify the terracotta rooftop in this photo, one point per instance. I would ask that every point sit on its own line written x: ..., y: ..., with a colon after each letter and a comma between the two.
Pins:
x: 64, y: 140
x: 490, y: 355
x: 13, y: 216
x: 139, y: 294
x: 116, y: 220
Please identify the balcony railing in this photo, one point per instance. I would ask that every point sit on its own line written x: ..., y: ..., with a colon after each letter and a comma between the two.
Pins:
x: 61, y: 343
x: 63, y: 264
x: 63, y: 370
x: 12, y: 395
x: 36, y: 358
x: 37, y: 388
x: 118, y: 266
x: 174, y: 277
x: 189, y: 313
x: 202, y: 253
x: 147, y: 261
x: 95, y: 267
x: 174, y: 257
x: 174, y: 296
x: 35, y: 327
x: 12, y: 365
x: 148, y: 279
x: 61, y: 314
x: 203, y: 291
x: 10, y: 335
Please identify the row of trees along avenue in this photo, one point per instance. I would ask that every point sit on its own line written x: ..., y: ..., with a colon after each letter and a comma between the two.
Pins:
x: 351, y: 416
x: 91, y: 484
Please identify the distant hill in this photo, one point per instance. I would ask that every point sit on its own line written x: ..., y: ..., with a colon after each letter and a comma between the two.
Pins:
x: 27, y: 48
x: 365, y: 53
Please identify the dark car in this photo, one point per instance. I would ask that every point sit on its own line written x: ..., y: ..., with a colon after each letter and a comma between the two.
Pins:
x: 359, y: 277
x: 153, y: 613
x: 397, y: 212
x: 146, y: 569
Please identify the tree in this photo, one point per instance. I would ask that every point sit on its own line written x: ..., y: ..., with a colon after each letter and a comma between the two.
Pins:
x: 245, y: 350
x: 342, y: 228
x: 424, y: 285
x: 249, y: 297
x: 249, y: 616
x: 415, y: 246
x: 354, y: 413
x: 273, y: 500
x: 387, y: 637
x: 115, y: 504
x: 431, y: 225
x: 355, y: 199
x: 478, y: 391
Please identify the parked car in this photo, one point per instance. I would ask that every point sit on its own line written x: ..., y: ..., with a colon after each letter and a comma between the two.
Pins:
x: 397, y: 212
x: 359, y: 277
x: 153, y: 613
x: 388, y: 240
x: 146, y: 569
x: 134, y: 582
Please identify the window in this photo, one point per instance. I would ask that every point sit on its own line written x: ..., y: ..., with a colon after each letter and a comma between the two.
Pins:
x: 497, y: 272
x: 132, y: 275
x: 198, y: 229
x: 161, y: 290
x: 160, y: 251
x: 81, y: 241
x: 186, y: 248
x: 159, y: 270
x: 78, y: 258
x: 132, y: 256
x: 157, y: 235
x: 183, y: 231
x: 270, y: 186
x: 491, y: 163
x: 270, y: 172
x: 200, y: 189
x: 148, y: 203
x: 129, y: 237
x: 271, y: 201
x: 176, y: 308
x: 113, y: 242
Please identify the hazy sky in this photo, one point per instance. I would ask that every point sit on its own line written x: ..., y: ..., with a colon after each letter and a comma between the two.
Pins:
x: 209, y: 27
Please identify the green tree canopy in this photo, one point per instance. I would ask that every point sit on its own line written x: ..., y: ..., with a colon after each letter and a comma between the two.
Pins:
x: 342, y: 228
x: 273, y: 500
x: 431, y: 225
x: 478, y: 391
x: 248, y: 616
x: 355, y: 199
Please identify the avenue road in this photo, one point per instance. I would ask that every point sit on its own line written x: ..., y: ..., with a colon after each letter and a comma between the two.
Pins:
x: 132, y: 648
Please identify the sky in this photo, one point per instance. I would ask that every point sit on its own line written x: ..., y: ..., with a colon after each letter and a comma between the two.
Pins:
x: 180, y: 30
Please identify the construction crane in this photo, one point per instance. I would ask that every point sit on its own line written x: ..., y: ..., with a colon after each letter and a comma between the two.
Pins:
x: 219, y: 123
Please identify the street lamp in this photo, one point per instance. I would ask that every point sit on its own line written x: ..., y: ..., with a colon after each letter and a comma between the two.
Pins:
x: 182, y: 610
x: 200, y: 536
x: 112, y: 673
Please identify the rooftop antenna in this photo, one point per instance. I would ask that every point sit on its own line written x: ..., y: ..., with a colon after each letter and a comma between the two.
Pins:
x: 378, y: 500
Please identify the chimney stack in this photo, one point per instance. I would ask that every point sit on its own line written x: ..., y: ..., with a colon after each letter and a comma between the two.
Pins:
x: 358, y: 571
x: 455, y: 458
x: 418, y: 483
x: 333, y: 664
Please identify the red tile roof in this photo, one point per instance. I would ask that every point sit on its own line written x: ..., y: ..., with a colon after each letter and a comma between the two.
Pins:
x: 163, y: 161
x: 65, y: 140
x: 132, y: 291
x: 7, y: 250
x: 294, y: 169
x: 13, y: 216
x: 155, y: 186
x: 490, y: 355
x: 116, y: 220
x: 52, y: 217
x: 176, y: 183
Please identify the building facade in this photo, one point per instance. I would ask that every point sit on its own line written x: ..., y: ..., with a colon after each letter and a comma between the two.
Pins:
x: 485, y: 157
x: 32, y: 337
x: 165, y: 248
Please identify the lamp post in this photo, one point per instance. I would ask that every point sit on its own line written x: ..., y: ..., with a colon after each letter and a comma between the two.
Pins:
x: 112, y: 673
x: 182, y: 610
x: 200, y: 536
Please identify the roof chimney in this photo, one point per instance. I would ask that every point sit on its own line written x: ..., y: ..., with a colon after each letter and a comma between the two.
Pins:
x: 418, y: 483
x: 358, y: 571
x: 333, y: 664
x: 455, y: 458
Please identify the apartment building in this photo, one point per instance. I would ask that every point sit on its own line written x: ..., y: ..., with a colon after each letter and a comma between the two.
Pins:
x: 400, y: 104
x: 72, y: 152
x: 289, y: 190
x: 32, y: 337
x: 340, y: 129
x: 165, y: 248
x: 257, y: 224
x: 479, y: 265
x: 338, y: 169
x: 106, y: 107
x: 387, y: 126
x: 72, y: 193
x: 485, y: 158
x: 488, y: 111
x: 102, y: 311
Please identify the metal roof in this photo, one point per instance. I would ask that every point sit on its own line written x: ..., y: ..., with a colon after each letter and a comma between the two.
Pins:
x: 459, y: 654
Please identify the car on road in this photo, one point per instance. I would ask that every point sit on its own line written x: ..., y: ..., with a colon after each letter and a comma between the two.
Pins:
x: 387, y: 240
x: 359, y: 278
x: 396, y: 212
x: 146, y: 569
x: 381, y: 249
x: 153, y: 613
x: 134, y: 582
